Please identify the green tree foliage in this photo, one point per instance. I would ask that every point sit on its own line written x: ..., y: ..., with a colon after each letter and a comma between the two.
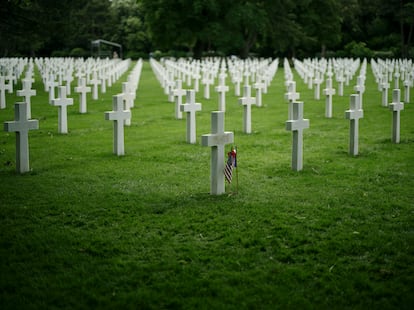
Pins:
x: 265, y: 27
x: 183, y: 24
x: 129, y: 27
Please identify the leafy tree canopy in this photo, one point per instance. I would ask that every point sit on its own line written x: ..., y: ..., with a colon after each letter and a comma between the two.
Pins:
x: 264, y: 27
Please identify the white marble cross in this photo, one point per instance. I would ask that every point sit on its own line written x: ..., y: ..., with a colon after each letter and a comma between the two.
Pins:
x: 104, y: 77
x: 21, y: 125
x: 237, y: 79
x: 12, y: 79
x: 247, y: 101
x: 328, y: 92
x: 26, y: 92
x: 397, y: 80
x: 196, y: 77
x: 95, y: 82
x: 118, y: 115
x: 3, y: 88
x: 178, y: 93
x: 296, y: 125
x: 340, y: 79
x: 317, y: 81
x: 82, y: 89
x: 385, y: 86
x: 259, y: 87
x: 217, y: 140
x: 207, y: 81
x: 128, y: 98
x: 396, y: 106
x: 191, y: 107
x: 354, y: 113
x: 360, y: 89
x: 68, y: 78
x: 51, y: 84
x: 222, y: 89
x: 169, y: 86
x: 291, y: 96
x: 62, y: 103
x: 407, y: 85
x: 310, y: 79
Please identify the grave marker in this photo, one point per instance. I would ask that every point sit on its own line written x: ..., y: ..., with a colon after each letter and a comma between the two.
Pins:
x: 340, y: 79
x: 317, y: 81
x: 62, y: 103
x: 297, y: 125
x: 191, y: 107
x: 360, y: 89
x: 21, y: 125
x: 12, y: 79
x: 68, y: 78
x: 407, y: 84
x: 397, y: 80
x: 196, y: 77
x: 3, y: 88
x: 291, y: 96
x: 178, y: 93
x: 329, y: 92
x: 82, y: 89
x: 51, y: 84
x: 247, y: 101
x: 237, y: 80
x: 128, y: 98
x: 217, y: 140
x: 396, y: 106
x: 95, y: 82
x: 259, y: 87
x: 26, y: 92
x: 104, y: 78
x: 222, y: 89
x: 207, y: 81
x: 385, y: 86
x: 118, y: 115
x: 354, y: 113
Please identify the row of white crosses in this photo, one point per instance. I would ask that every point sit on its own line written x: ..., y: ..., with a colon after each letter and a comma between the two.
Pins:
x: 22, y: 123
x: 295, y: 123
x: 254, y: 72
x: 121, y: 108
x: 218, y: 138
x: 190, y: 107
x: 263, y: 72
x: 387, y: 71
x: 117, y: 68
x: 97, y: 73
x: 313, y: 72
x: 11, y: 70
x: 291, y: 95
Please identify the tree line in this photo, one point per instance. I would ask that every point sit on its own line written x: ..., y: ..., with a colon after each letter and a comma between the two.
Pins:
x: 269, y: 28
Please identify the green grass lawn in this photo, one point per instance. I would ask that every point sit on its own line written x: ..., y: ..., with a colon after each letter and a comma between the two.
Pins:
x: 87, y: 229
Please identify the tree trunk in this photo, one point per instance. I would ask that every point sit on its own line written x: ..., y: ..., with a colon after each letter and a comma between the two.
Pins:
x: 323, y: 50
x: 248, y: 43
x: 244, y: 52
x: 198, y: 49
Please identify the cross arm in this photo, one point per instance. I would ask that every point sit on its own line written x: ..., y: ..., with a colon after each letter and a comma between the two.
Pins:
x: 214, y: 139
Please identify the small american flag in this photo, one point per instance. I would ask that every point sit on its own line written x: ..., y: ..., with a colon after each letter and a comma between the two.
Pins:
x: 231, y: 163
